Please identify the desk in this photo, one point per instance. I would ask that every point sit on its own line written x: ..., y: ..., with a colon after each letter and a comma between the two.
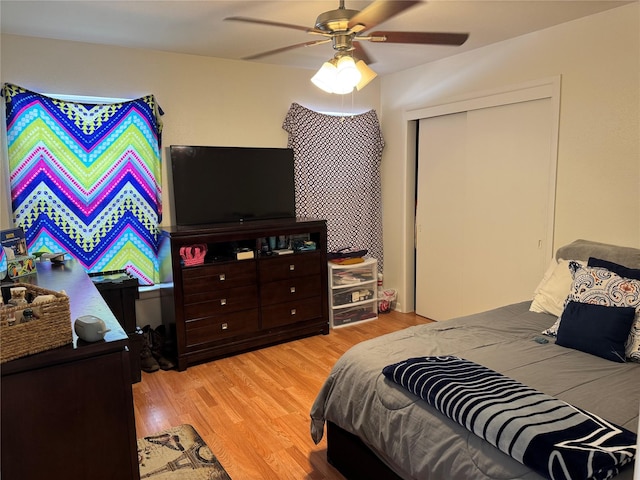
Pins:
x: 68, y: 412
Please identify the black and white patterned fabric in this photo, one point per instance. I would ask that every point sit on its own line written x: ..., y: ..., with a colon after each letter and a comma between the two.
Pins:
x: 337, y: 175
x: 557, y: 440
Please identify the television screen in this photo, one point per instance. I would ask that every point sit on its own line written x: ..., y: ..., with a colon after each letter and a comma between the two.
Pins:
x: 231, y: 184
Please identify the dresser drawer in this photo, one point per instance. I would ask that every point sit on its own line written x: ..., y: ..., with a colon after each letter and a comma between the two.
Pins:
x: 214, y: 328
x: 345, y: 296
x: 220, y: 301
x: 289, y: 290
x: 291, y: 312
x: 224, y: 275
x: 289, y: 266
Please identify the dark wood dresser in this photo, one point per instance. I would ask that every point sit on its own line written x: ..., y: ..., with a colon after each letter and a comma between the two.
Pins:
x: 68, y: 412
x: 227, y: 305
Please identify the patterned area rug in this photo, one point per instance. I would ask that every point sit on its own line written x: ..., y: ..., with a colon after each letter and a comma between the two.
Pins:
x: 178, y: 453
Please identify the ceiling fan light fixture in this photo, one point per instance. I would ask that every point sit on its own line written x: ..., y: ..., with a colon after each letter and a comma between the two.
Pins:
x: 366, y: 73
x: 347, y: 73
x: 325, y: 78
x: 342, y: 88
x: 342, y: 74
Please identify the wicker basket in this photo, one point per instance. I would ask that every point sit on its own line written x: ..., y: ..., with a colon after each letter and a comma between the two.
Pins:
x: 51, y: 329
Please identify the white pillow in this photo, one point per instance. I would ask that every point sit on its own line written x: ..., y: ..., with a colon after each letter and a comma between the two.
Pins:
x: 550, y: 268
x: 554, y: 288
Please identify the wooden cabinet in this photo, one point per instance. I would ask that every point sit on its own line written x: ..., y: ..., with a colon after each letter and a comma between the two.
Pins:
x: 68, y: 412
x: 224, y: 305
x: 120, y: 292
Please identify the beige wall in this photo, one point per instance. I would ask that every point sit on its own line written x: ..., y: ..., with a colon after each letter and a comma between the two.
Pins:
x: 207, y: 101
x: 598, y: 176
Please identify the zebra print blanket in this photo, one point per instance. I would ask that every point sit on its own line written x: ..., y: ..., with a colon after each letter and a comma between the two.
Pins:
x: 556, y: 439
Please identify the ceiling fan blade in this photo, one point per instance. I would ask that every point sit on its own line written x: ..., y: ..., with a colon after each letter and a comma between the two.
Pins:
x: 273, y: 24
x: 378, y: 12
x: 360, y: 53
x: 284, y: 49
x: 430, y: 38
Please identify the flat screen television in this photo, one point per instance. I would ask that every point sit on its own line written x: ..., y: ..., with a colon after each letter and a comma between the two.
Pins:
x: 231, y: 184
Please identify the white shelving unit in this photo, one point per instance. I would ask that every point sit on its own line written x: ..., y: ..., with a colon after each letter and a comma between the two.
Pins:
x: 353, y: 292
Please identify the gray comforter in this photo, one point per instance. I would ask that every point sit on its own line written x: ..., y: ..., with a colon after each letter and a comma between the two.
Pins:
x: 418, y: 442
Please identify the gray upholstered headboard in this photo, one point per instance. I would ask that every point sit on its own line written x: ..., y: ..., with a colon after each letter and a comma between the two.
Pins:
x: 583, y: 249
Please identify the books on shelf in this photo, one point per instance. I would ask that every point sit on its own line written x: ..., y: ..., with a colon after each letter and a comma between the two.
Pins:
x: 283, y: 251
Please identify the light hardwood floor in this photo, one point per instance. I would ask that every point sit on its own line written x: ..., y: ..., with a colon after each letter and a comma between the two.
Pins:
x: 253, y: 409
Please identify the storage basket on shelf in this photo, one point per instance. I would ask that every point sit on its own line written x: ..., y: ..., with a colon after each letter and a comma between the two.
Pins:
x: 50, y: 326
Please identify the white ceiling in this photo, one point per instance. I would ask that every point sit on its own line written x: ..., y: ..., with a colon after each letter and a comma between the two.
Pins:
x: 198, y: 28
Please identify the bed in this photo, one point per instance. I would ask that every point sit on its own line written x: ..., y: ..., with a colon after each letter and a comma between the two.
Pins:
x: 376, y: 429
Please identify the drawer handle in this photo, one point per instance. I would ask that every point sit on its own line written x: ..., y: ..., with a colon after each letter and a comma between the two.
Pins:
x: 224, y: 326
x: 292, y: 267
x: 222, y: 277
x: 292, y: 289
x: 293, y: 311
x: 223, y: 301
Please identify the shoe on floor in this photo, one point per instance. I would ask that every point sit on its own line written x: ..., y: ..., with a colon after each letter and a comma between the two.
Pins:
x: 147, y: 361
x: 158, y: 350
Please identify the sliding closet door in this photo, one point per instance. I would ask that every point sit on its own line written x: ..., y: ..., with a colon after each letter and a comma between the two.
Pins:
x: 441, y: 206
x: 482, y: 207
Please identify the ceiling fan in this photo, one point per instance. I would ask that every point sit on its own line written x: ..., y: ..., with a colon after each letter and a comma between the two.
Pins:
x: 346, y: 28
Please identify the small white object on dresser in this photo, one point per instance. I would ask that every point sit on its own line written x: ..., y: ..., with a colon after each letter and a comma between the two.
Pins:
x: 353, y: 292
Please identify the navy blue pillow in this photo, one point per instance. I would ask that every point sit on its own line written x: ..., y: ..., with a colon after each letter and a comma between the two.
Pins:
x: 621, y: 270
x: 596, y: 329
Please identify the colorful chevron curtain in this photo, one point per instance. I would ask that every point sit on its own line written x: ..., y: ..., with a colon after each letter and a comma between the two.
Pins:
x: 86, y: 179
